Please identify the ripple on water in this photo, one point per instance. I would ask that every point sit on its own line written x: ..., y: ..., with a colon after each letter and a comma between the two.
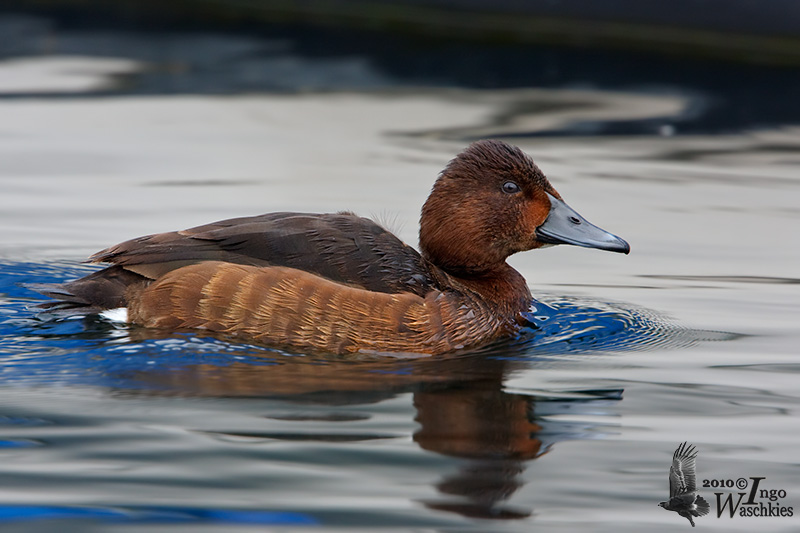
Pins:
x: 560, y: 324
x: 93, y: 351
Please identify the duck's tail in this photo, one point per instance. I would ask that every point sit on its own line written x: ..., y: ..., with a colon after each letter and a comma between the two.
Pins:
x: 99, y: 291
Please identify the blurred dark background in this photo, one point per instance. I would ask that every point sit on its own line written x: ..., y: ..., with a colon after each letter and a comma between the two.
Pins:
x: 736, y: 61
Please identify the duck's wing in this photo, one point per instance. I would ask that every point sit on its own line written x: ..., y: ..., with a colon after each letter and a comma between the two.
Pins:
x: 341, y: 247
x: 682, y: 475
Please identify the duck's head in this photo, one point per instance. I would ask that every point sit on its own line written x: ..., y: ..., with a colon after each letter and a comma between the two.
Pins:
x: 492, y: 201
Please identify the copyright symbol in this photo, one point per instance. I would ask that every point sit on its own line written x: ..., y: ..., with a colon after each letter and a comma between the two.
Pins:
x: 741, y: 483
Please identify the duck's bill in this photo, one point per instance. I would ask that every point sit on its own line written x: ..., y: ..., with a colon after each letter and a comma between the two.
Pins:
x: 565, y: 226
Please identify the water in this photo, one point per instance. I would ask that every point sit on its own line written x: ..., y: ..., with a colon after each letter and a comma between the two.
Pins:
x: 571, y: 427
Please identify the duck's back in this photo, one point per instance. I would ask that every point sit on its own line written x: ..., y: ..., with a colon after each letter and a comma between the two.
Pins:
x: 340, y: 247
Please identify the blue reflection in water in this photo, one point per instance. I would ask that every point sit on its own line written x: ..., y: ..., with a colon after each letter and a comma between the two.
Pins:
x: 92, y: 351
x: 19, y: 513
x: 572, y: 325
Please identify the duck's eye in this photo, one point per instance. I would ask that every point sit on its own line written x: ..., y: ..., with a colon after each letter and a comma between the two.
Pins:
x: 510, y: 187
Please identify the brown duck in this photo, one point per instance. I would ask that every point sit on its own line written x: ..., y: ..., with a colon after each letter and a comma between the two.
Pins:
x: 339, y: 283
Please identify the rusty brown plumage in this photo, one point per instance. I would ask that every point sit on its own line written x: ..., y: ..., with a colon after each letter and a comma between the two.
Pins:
x: 295, y: 309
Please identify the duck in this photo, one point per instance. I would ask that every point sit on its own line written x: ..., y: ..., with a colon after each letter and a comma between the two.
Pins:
x: 338, y: 283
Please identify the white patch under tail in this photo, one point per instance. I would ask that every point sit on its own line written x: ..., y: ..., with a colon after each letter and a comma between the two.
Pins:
x: 120, y: 314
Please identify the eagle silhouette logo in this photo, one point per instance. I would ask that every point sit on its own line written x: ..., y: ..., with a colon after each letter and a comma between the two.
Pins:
x: 683, y: 497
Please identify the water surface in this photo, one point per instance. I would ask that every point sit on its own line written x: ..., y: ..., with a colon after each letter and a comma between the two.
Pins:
x: 693, y: 337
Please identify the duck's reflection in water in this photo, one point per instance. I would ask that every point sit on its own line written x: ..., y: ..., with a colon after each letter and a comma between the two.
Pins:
x: 461, y: 406
x: 496, y: 433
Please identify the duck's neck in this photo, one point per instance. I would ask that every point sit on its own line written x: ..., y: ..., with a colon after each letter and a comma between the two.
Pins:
x: 502, y: 288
